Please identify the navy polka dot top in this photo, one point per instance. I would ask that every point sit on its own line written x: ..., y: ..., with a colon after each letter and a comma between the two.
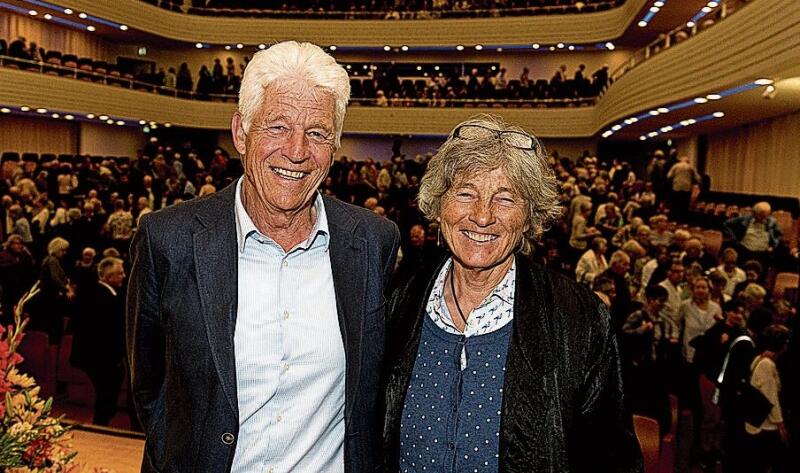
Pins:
x: 451, y: 417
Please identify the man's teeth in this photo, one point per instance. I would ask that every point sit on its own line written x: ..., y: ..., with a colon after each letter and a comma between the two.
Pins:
x: 288, y: 173
x: 480, y: 237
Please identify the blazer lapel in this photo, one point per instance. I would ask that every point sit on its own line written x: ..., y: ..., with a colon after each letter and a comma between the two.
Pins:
x: 349, y: 261
x: 216, y: 267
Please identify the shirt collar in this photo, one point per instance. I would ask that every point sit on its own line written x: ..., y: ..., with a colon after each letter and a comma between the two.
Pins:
x: 245, y: 227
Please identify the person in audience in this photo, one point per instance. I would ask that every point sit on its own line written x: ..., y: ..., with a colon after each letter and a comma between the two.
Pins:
x: 18, y: 48
x: 753, y: 273
x: 581, y: 233
x: 695, y: 253
x: 660, y: 234
x: 682, y: 176
x: 618, y: 271
x: 84, y: 271
x: 120, y: 227
x: 768, y: 443
x: 592, y: 262
x: 17, y: 274
x: 98, y: 329
x: 755, y: 236
x: 730, y: 271
x: 56, y: 292
x: 21, y: 225
x: 491, y: 189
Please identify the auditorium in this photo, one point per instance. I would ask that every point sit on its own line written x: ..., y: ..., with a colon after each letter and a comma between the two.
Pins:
x: 400, y: 236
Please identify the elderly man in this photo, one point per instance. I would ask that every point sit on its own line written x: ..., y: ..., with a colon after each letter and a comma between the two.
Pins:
x: 255, y: 315
x: 755, y: 236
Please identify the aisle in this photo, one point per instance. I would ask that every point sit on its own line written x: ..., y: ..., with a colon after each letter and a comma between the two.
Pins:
x: 109, y: 451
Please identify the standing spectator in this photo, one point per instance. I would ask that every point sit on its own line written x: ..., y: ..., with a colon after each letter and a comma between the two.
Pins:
x: 98, y: 346
x: 171, y: 78
x: 683, y: 176
x: 730, y: 271
x: 697, y: 315
x: 184, y: 80
x: 120, y: 227
x: 17, y: 273
x: 755, y: 236
x: 600, y: 79
x: 21, y: 225
x: 56, y: 291
x: 18, y: 48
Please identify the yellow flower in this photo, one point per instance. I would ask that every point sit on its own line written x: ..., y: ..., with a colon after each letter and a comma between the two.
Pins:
x: 20, y: 379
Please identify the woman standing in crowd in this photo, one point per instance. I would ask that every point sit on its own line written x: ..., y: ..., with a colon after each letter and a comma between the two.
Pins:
x: 495, y: 364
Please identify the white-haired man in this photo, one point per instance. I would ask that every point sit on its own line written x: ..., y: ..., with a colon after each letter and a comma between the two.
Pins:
x: 754, y: 236
x: 255, y: 315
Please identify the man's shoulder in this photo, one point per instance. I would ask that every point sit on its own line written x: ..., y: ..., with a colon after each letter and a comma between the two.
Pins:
x: 183, y: 215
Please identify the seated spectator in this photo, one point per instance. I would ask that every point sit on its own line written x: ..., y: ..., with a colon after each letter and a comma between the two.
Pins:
x: 753, y: 273
x: 733, y: 274
x: 592, y: 262
x: 618, y: 271
x: 581, y: 233
x: 694, y: 253
x: 660, y: 234
x: 676, y: 295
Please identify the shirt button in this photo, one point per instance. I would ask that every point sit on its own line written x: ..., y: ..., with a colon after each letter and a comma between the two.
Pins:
x: 285, y: 368
x: 285, y: 314
x: 451, y: 446
x: 227, y: 438
x: 279, y: 418
x: 285, y: 263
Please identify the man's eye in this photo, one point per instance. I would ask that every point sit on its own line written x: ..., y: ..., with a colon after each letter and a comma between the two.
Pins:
x: 277, y: 129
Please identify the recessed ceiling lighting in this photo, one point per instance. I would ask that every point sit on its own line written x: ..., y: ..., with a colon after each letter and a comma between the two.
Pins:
x: 153, y: 126
x: 227, y: 47
x: 652, y: 134
x: 123, y: 27
x: 33, y: 12
x: 571, y: 47
x: 110, y: 121
x: 610, y: 46
x: 239, y: 45
x: 68, y: 11
x: 607, y: 133
x: 692, y: 121
x: 41, y: 110
x: 103, y: 117
x: 666, y: 129
x: 654, y: 112
x: 719, y: 114
x: 642, y: 24
x: 685, y: 122
x: 658, y: 4
x: 700, y: 100
x: 332, y: 47
x: 690, y: 24
x: 120, y: 122
x: 198, y: 45
x: 435, y: 68
x: 535, y: 45
x: 713, y: 4
x: 262, y: 46
x: 387, y: 48
x: 48, y: 16
x: 55, y: 115
x: 499, y: 50
x: 459, y: 48
x: 25, y: 108
x: 90, y: 116
x: 642, y: 138
x: 713, y: 96
x: 404, y: 48
x: 167, y: 125
x: 552, y: 48
x: 142, y: 122
x: 5, y: 110
x: 91, y: 28
x: 69, y: 117
x: 82, y: 15
x: 764, y: 81
x: 654, y: 9
x: 663, y: 110
x: 560, y: 45
x: 478, y: 47
x: 616, y: 127
x: 419, y: 68
x: 706, y: 9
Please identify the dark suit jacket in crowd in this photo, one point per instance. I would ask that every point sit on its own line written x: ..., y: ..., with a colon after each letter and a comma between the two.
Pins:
x: 182, y: 306
x: 98, y: 328
x: 562, y: 395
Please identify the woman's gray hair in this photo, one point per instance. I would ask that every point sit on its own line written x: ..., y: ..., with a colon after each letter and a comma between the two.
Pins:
x: 291, y: 60
x: 57, y: 244
x: 528, y: 171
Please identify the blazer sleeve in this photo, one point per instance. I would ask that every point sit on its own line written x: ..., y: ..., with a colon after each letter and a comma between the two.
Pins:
x: 144, y: 336
x: 606, y: 427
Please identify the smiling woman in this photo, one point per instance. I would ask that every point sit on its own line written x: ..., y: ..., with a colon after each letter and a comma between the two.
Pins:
x: 499, y: 343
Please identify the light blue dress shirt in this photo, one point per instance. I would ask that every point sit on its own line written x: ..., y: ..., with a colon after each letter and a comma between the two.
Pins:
x: 290, y: 359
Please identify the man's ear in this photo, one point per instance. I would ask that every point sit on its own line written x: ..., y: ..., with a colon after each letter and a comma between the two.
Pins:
x: 238, y: 134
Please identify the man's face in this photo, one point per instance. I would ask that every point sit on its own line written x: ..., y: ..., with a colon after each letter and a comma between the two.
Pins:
x: 417, y: 236
x: 621, y: 266
x: 289, y: 147
x: 675, y: 273
x: 116, y: 276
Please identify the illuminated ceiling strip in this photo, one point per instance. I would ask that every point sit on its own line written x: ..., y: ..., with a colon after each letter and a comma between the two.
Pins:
x: 76, y: 116
x: 652, y: 12
x: 61, y: 10
x: 682, y: 124
x: 54, y: 19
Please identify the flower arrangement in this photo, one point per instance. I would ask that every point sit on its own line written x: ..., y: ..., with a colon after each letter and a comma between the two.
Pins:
x: 30, y: 439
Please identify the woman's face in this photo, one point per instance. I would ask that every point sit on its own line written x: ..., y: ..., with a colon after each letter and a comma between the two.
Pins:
x: 483, y: 219
x: 700, y: 290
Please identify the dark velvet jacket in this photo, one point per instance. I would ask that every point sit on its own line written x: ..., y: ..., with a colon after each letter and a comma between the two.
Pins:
x: 562, y: 395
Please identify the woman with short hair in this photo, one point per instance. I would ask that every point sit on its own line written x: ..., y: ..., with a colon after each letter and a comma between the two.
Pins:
x: 493, y: 362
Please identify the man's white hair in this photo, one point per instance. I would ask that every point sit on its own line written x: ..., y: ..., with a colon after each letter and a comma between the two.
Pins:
x: 291, y: 60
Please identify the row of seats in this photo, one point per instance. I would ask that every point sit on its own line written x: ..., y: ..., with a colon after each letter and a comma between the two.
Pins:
x: 790, y: 227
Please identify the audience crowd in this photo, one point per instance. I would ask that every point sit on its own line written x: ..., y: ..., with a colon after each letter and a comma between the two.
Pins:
x: 385, y: 87
x: 680, y: 303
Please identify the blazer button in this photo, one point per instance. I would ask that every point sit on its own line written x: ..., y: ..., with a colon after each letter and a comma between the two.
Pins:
x: 227, y: 438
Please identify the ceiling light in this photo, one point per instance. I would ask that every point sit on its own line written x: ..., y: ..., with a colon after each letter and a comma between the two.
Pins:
x: 239, y: 45
x: 55, y: 115
x: 110, y: 121
x: 494, y: 68
x: 332, y: 47
x: 25, y: 108
x: 690, y: 24
x: 552, y: 48
x: 33, y: 12
x: 616, y: 127
x: 435, y: 68
x: 706, y: 9
x: 152, y: 123
x: 68, y: 11
x: 571, y: 47
x: 123, y: 27
x: 652, y: 134
x: 658, y: 4
x: 387, y: 48
x: 82, y: 15
x: 610, y: 46
x: 763, y: 81
x: 607, y: 133
x: 459, y: 48
x: 654, y: 112
x: 713, y: 4
x: 719, y: 114
x: 153, y: 126
x: 227, y: 47
x: 90, y: 116
x: 663, y: 110
x: 692, y: 121
x: 685, y: 122
x: 654, y: 9
x: 120, y: 122
x: 560, y: 45
x: 69, y: 117
x: 262, y: 46
x: 103, y: 117
x: 713, y: 96
x: 535, y: 45
x: 167, y: 124
x: 365, y: 67
x: 666, y: 129
x: 631, y: 120
x: 404, y: 48
x: 499, y: 50
x: 349, y: 67
x: 700, y: 100
x: 48, y: 16
x: 198, y: 45
x: 478, y: 47
x: 41, y: 110
x: 91, y: 28
x: 642, y: 138
x: 642, y: 24
x: 5, y: 110
x: 419, y: 68
x: 142, y: 122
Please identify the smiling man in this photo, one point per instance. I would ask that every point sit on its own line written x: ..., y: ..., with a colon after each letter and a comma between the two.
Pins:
x: 255, y: 315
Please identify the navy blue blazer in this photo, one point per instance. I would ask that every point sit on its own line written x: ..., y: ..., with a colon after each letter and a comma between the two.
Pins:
x: 181, y: 316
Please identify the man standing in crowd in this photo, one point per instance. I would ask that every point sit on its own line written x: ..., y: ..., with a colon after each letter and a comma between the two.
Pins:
x: 98, y: 346
x: 756, y: 236
x: 683, y: 176
x: 235, y: 299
